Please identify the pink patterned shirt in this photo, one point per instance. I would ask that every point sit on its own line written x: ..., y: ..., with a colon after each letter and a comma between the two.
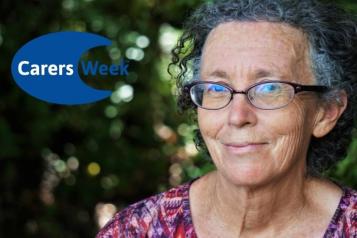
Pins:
x: 168, y: 215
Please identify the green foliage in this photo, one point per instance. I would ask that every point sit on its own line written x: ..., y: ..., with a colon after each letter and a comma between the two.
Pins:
x: 59, y: 164
x: 346, y: 170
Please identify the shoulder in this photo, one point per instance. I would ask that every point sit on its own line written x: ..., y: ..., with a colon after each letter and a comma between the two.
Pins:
x: 157, y: 216
x: 344, y: 221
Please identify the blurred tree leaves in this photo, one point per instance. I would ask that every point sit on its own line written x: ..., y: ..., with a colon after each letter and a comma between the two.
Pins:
x: 57, y: 164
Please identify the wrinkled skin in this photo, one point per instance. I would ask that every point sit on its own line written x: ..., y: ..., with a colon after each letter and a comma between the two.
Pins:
x: 260, y: 187
x: 241, y: 55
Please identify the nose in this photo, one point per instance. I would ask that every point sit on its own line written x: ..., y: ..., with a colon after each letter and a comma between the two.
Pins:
x: 241, y: 112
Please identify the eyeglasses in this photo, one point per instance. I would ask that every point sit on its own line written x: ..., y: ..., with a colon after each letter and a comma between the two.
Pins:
x: 266, y: 95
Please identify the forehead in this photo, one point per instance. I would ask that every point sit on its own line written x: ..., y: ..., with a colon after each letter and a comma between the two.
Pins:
x: 247, y: 47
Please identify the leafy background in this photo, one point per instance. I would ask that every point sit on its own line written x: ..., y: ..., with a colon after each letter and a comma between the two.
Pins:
x: 64, y: 170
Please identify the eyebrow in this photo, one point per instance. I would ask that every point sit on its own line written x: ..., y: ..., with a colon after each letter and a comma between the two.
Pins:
x: 219, y: 74
x: 259, y: 73
x: 262, y: 73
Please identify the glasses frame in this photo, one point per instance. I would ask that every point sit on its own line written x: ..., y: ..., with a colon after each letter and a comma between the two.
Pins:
x: 297, y: 89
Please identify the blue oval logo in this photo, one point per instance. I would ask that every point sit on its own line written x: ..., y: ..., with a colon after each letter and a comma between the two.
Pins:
x: 47, y: 68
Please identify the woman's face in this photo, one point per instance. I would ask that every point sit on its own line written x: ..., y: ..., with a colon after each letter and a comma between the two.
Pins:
x: 250, y: 146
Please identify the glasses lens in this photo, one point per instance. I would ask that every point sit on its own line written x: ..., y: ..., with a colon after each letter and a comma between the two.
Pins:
x: 210, y: 95
x: 271, y: 95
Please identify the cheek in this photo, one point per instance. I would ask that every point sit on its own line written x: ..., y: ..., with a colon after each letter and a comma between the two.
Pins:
x: 292, y: 131
x: 209, y: 122
x: 287, y: 122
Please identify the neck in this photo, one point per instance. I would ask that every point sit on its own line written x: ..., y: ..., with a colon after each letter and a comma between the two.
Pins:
x: 273, y: 205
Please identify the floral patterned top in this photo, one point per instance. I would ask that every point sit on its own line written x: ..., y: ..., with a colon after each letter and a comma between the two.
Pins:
x: 168, y: 215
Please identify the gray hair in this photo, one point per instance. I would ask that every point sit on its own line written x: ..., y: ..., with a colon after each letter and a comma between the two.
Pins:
x: 332, y: 37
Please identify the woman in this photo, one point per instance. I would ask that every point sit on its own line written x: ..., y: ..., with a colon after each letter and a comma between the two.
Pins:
x: 272, y: 85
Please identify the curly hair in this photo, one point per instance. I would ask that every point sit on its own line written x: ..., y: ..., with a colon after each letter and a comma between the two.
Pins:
x: 332, y: 39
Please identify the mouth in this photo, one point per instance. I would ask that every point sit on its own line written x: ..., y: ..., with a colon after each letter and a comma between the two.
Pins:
x: 245, y: 147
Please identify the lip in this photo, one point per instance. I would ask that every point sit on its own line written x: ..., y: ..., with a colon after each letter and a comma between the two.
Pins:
x: 246, y: 147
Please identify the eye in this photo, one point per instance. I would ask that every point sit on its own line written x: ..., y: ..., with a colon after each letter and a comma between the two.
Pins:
x: 216, y: 88
x: 269, y: 88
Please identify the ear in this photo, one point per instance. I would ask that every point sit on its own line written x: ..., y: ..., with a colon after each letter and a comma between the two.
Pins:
x: 329, y: 114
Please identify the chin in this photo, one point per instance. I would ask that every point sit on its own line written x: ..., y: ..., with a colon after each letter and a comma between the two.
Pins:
x: 250, y: 175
